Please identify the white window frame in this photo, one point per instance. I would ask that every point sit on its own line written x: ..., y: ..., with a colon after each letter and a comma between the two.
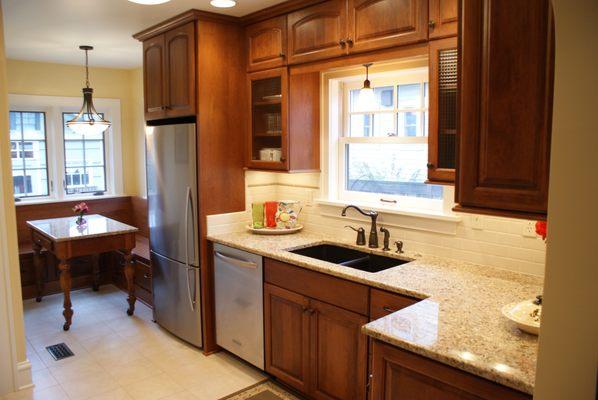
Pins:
x: 339, y: 137
x: 54, y: 107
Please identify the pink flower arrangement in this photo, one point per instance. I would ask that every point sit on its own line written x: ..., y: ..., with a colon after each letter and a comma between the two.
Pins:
x: 81, y: 209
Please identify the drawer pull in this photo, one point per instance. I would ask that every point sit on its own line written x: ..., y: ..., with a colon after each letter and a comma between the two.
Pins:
x: 388, y: 309
x: 146, y: 276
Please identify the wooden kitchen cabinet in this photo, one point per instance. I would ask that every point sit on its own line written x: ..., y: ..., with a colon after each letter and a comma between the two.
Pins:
x: 169, y: 73
x: 266, y: 44
x: 505, y: 107
x: 443, y: 18
x: 339, y: 352
x: 385, y: 23
x: 287, y: 331
x: 313, y: 331
x: 383, y: 303
x: 284, y: 123
x: 317, y: 32
x: 401, y: 375
x: 442, y: 127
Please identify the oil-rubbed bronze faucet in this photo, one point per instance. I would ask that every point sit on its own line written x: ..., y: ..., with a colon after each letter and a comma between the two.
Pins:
x: 373, y: 240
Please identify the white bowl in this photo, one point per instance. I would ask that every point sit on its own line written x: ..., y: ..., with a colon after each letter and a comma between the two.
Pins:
x: 525, y: 314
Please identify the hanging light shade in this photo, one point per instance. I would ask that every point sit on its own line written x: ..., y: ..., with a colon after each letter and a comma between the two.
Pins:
x: 367, y: 99
x: 88, y: 120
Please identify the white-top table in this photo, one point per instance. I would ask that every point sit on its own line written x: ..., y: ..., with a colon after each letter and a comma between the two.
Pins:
x: 65, y: 239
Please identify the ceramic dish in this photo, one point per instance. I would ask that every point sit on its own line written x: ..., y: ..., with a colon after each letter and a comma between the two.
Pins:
x: 525, y: 314
x: 274, y: 231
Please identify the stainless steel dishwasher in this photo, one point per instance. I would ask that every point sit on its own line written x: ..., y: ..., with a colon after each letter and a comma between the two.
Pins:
x: 238, y: 291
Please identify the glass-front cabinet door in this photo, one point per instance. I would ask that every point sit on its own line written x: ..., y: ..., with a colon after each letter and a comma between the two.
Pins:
x: 268, y: 123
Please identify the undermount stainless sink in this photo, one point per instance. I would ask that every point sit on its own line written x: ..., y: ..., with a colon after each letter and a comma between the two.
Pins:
x: 349, y: 257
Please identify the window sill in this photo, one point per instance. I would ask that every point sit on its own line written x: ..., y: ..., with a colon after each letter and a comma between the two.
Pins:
x: 440, y: 216
x: 48, y: 200
x: 421, y: 220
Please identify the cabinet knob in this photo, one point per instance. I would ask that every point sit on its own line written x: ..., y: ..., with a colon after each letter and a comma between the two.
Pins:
x: 431, y: 24
x: 283, y: 159
x: 342, y: 43
x: 350, y: 42
x: 281, y: 55
x: 430, y: 165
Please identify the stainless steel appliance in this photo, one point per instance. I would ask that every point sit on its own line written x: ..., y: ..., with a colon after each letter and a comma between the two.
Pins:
x: 239, y: 303
x: 174, y: 230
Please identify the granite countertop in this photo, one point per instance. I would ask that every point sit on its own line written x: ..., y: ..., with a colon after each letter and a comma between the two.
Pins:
x: 62, y: 229
x: 459, y: 322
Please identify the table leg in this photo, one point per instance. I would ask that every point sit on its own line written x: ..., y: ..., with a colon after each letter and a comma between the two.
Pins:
x: 95, y: 271
x: 39, y: 273
x: 65, y: 285
x: 130, y: 275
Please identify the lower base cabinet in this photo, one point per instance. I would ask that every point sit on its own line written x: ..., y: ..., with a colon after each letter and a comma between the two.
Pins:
x: 402, y: 375
x: 315, y: 347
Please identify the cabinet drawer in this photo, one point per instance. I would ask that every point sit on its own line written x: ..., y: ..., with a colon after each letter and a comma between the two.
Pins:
x: 41, y: 240
x: 144, y: 295
x: 383, y: 303
x: 143, y: 275
x: 340, y: 292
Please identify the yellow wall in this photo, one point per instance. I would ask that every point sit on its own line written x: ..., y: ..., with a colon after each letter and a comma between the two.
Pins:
x: 27, y: 77
x: 10, y: 224
x: 568, y: 354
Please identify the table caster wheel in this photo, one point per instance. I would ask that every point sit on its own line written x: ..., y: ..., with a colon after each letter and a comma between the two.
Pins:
x: 38, y: 299
x: 129, y: 312
x: 66, y: 327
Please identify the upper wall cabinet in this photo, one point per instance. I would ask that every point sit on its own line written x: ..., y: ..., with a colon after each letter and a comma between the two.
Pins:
x: 376, y: 24
x: 266, y: 44
x: 443, y: 18
x: 317, y: 32
x: 169, y: 73
x: 506, y: 83
x: 442, y: 132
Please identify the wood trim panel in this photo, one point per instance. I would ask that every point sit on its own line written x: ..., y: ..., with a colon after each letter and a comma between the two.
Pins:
x: 276, y: 10
x: 348, y: 295
x: 402, y: 375
x: 181, y: 19
x: 304, y: 122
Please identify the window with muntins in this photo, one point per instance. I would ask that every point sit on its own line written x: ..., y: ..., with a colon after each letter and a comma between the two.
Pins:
x: 383, y: 145
x: 84, y: 160
x: 28, y: 154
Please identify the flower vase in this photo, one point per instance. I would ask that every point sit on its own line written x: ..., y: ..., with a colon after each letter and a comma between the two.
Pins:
x: 81, y: 222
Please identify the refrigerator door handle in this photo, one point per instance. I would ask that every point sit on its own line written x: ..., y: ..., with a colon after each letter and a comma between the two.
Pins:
x: 187, y: 198
x: 235, y: 261
x: 192, y: 298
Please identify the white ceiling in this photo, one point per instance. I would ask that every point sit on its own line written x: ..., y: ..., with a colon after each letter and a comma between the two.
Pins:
x: 52, y: 30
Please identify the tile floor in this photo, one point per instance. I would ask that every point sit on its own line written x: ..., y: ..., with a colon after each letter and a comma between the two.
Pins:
x: 119, y: 357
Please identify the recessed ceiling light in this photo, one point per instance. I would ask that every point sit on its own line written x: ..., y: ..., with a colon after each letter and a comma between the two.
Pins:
x: 223, y: 3
x: 149, y: 2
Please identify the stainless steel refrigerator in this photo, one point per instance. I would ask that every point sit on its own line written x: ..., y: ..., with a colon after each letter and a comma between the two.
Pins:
x: 174, y: 230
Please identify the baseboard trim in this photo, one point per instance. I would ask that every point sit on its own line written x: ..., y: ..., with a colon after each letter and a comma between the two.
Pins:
x: 23, y: 378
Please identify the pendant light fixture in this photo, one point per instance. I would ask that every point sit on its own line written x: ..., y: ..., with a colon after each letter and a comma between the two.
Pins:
x: 367, y: 99
x: 88, y: 121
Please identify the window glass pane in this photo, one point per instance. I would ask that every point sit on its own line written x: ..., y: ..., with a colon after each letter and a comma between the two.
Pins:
x: 409, y: 124
x: 84, y: 159
x: 361, y: 125
x: 396, y: 169
x: 409, y: 96
x: 28, y: 154
x: 426, y: 123
x: 384, y: 124
x: 426, y: 98
x: 383, y: 100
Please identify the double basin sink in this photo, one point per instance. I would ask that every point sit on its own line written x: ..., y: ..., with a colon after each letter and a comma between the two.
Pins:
x: 349, y: 257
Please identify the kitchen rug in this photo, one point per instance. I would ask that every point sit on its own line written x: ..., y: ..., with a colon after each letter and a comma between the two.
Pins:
x: 263, y: 391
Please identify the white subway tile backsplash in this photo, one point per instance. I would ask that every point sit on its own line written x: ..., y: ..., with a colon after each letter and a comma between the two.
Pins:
x: 499, y: 243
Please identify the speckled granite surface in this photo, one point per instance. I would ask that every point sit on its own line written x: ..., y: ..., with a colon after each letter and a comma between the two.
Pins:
x: 61, y: 229
x: 459, y: 322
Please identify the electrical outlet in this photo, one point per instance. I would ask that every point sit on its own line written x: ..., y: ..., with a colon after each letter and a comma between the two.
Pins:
x: 477, y: 222
x: 529, y: 229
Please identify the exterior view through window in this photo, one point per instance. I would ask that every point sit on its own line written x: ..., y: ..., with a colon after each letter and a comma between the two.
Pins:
x: 383, y: 150
x: 84, y: 160
x: 28, y: 154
